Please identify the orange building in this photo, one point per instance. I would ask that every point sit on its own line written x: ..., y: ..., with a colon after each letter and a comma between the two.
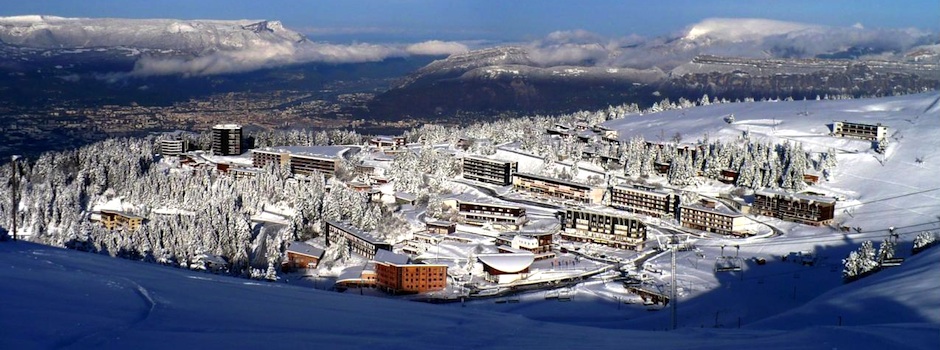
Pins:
x: 410, y: 278
x: 114, y: 219
x: 301, y: 256
x: 395, y: 273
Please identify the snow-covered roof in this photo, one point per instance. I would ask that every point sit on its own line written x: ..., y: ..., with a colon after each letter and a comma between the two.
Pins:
x: 355, y: 231
x: 718, y: 209
x: 554, y: 180
x: 441, y: 223
x: 227, y: 126
x: 385, y: 256
x: 305, y: 249
x: 488, y: 204
x: 509, y: 263
x: 644, y: 189
x: 309, y: 151
x: 405, y: 196
x: 487, y: 159
x: 800, y: 196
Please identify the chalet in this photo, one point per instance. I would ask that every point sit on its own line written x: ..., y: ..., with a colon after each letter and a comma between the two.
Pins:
x: 112, y: 219
x: 210, y: 262
x: 301, y: 256
x: 365, y: 170
x: 358, y: 241
x: 797, y: 207
x: 661, y: 167
x: 615, y: 230
x: 359, y: 186
x: 441, y: 227
x: 491, y: 171
x: 557, y: 189
x: 811, y: 179
x: 728, y: 176
x: 711, y: 216
x: 405, y: 198
x: 645, y: 200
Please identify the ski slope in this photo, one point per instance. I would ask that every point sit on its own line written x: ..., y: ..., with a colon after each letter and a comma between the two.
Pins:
x: 57, y: 298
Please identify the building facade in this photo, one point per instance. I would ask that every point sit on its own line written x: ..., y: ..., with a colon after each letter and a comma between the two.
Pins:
x: 441, y: 227
x: 538, y: 243
x: 301, y: 256
x: 557, y: 189
x: 860, y: 130
x: 410, y: 278
x: 172, y: 147
x: 491, y: 171
x: 358, y: 241
x: 645, y: 200
x: 300, y: 160
x: 711, y: 216
x: 227, y: 140
x: 619, y: 231
x: 476, y: 213
x: 112, y: 219
x: 801, y: 208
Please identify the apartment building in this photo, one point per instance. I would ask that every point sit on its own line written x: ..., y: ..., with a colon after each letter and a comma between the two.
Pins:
x: 227, y: 140
x: 172, y: 147
x: 491, y: 171
x: 796, y: 207
x: 499, y: 215
x: 862, y: 131
x: 646, y: 200
x: 615, y: 230
x: 358, y: 241
x: 711, y: 216
x: 301, y: 160
x: 396, y: 274
x: 557, y: 189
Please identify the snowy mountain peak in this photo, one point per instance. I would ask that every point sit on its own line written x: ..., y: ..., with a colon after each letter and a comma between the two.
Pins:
x: 743, y: 29
x: 185, y: 35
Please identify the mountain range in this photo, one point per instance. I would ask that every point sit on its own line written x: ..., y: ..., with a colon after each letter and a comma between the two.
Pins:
x: 564, y: 71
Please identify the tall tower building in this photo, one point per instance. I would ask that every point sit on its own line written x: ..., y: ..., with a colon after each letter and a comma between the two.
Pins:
x: 227, y: 140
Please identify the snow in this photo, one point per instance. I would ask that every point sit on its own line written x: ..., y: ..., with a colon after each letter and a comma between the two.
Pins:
x: 59, y: 298
x: 860, y: 177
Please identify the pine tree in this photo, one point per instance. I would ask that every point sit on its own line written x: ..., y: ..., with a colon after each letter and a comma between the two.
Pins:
x: 886, y: 249
x: 867, y: 258
x: 852, y: 266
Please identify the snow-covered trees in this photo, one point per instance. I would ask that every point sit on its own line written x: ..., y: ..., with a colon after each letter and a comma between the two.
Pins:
x: 886, y: 249
x: 923, y: 240
x: 860, y: 262
x: 680, y: 170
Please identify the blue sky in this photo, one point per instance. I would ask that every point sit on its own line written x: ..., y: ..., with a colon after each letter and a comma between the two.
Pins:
x: 500, y: 20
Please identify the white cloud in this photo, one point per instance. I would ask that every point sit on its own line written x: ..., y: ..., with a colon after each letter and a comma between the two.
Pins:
x: 436, y: 48
x: 262, y: 56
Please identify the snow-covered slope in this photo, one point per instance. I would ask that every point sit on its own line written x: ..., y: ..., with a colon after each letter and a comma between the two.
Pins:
x: 58, y: 298
x: 169, y: 34
x: 862, y: 177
